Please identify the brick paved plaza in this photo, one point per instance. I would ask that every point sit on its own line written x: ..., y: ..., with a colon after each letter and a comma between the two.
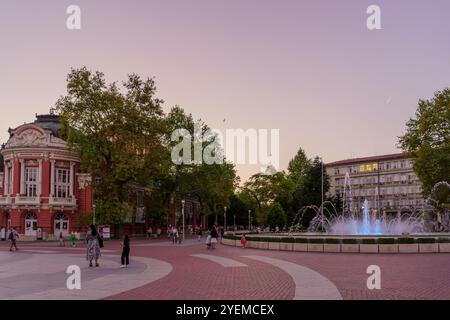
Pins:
x: 161, y: 270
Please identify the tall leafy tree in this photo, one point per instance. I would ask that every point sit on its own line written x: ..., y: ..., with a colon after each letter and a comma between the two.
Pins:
x: 116, y: 131
x: 276, y: 217
x: 427, y: 139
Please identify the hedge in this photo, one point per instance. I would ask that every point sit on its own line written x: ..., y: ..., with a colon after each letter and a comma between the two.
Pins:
x: 406, y: 240
x: 316, y: 240
x: 386, y: 241
x: 332, y: 241
x: 350, y: 241
x: 301, y: 240
x: 444, y: 240
x: 426, y: 240
x: 369, y: 241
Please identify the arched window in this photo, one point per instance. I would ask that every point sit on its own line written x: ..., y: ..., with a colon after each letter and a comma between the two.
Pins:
x: 61, y: 216
x: 31, y: 216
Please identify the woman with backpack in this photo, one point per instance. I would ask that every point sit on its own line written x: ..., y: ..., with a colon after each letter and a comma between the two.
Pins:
x: 93, y: 246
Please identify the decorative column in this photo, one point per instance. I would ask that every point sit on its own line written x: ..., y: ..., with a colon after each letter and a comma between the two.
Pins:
x: 72, y: 179
x: 52, y: 178
x: 22, y: 176
x: 39, y: 186
x: 6, y: 192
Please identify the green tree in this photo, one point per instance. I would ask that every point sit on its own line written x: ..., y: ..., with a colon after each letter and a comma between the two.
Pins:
x: 116, y: 132
x: 298, y: 167
x: 268, y: 189
x: 310, y: 191
x: 427, y: 139
x: 277, y: 216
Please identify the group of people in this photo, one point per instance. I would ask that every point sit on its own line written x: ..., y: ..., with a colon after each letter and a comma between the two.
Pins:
x: 94, y: 242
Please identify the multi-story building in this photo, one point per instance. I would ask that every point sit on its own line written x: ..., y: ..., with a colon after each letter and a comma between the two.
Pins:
x: 388, y: 182
x: 41, y: 186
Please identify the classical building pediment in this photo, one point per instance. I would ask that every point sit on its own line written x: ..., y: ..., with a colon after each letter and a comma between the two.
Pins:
x: 33, y: 136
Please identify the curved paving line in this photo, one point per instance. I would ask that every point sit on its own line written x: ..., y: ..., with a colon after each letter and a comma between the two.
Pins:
x: 108, y: 285
x: 309, y: 284
x: 224, y: 262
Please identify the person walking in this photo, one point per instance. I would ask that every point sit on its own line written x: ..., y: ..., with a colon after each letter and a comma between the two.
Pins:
x: 3, y: 234
x: 199, y: 234
x: 61, y: 240
x: 214, y: 235
x: 125, y: 258
x: 93, y: 246
x: 13, y: 237
x: 243, y: 241
x: 174, y: 235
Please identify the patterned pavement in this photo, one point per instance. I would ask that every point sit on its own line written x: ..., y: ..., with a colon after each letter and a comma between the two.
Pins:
x: 160, y: 270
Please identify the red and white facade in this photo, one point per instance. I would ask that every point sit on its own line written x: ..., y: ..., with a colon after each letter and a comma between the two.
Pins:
x: 41, y: 185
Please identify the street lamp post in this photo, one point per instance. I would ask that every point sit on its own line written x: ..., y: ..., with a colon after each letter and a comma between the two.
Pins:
x: 225, y: 218
x: 234, y: 221
x: 182, y: 215
x: 321, y: 207
x: 93, y: 218
x: 249, y: 220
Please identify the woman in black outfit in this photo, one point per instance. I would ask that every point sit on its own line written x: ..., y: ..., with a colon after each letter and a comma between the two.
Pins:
x: 125, y: 259
x: 214, y: 236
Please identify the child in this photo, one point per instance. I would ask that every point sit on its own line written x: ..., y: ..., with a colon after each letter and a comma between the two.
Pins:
x: 243, y: 241
x: 125, y: 259
x: 208, y: 242
x: 73, y: 239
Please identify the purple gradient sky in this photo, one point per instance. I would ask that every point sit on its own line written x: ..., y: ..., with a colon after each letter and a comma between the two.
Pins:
x: 309, y: 68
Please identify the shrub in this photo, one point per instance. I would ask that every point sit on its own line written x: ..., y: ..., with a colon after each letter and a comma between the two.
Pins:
x: 316, y: 240
x: 444, y: 240
x: 369, y: 241
x: 426, y: 240
x: 332, y: 241
x: 272, y: 239
x: 386, y: 241
x: 406, y: 240
x: 350, y: 241
x: 287, y: 240
x: 301, y: 240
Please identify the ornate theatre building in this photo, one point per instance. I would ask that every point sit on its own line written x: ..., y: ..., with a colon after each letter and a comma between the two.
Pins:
x: 41, y: 187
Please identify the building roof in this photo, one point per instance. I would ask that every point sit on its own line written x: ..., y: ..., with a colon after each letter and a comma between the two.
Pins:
x: 369, y: 159
x: 49, y: 122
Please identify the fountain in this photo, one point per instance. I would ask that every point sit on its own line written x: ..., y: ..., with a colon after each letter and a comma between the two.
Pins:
x: 369, y: 225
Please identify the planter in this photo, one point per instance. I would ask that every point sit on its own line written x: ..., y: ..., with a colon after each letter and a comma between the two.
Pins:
x: 444, y: 247
x: 331, y: 247
x: 263, y: 245
x: 284, y: 246
x: 388, y: 248
x: 302, y: 247
x: 274, y: 246
x: 252, y: 244
x: 315, y: 247
x: 428, y: 247
x: 352, y: 248
x: 368, y: 248
x: 408, y: 248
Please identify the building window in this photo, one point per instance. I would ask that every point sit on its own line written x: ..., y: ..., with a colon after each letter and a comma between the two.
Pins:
x: 140, y: 198
x: 10, y: 181
x: 31, y: 175
x: 62, y: 183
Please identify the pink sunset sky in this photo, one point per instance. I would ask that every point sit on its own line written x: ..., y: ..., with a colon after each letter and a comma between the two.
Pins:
x: 309, y: 68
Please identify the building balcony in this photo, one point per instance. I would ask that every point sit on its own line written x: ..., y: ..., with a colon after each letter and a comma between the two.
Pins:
x: 65, y: 202
x: 24, y: 200
x: 5, y: 200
